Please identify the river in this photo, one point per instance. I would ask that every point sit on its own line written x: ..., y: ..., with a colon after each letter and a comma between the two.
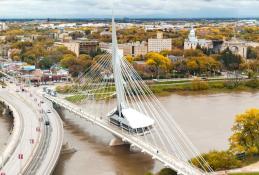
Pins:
x: 206, y: 118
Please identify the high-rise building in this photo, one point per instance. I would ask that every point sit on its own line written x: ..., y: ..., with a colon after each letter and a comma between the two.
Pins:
x: 159, y: 44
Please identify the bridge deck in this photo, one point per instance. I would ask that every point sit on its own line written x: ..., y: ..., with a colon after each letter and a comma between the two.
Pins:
x: 137, y: 141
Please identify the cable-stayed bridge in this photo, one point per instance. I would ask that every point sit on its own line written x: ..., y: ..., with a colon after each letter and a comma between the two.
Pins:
x: 114, y: 97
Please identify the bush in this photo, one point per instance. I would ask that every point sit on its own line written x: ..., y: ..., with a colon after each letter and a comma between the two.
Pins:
x: 230, y: 84
x: 217, y: 85
x: 199, y: 85
x: 167, y: 171
x: 254, y: 83
x: 219, y: 160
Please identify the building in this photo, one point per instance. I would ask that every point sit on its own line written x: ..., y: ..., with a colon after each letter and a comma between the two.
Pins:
x: 106, y: 32
x: 80, y: 46
x: 72, y: 46
x: 236, y: 46
x: 192, y: 41
x: 3, y: 26
x: 133, y: 49
x: 159, y: 44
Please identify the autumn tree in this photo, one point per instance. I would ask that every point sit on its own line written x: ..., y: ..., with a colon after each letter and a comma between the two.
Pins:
x: 158, y: 62
x: 203, y: 64
x: 76, y: 65
x: 129, y: 58
x: 218, y: 160
x: 245, y: 136
x: 193, y: 53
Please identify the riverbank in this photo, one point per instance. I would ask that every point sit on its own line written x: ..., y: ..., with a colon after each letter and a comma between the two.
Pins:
x: 187, y: 87
x: 213, y: 86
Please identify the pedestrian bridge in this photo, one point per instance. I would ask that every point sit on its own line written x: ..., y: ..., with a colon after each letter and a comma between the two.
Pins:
x: 133, y: 114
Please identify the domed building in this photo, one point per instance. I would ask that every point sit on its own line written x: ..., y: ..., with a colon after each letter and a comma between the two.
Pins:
x: 192, y: 41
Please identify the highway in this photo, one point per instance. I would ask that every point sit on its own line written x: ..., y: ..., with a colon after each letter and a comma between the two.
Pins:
x: 40, y: 134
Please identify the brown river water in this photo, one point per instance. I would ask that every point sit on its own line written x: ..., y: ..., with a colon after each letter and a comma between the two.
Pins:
x: 205, y: 118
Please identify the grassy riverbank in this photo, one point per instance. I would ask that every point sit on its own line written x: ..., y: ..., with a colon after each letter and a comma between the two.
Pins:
x: 166, y: 88
x: 216, y: 86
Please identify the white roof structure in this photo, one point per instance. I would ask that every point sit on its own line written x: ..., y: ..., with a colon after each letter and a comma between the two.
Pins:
x: 136, y: 119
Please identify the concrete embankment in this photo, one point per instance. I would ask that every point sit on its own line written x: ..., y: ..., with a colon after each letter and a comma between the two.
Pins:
x: 16, y: 131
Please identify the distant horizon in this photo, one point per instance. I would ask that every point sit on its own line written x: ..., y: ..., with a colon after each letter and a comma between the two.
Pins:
x: 132, y: 18
x: 183, y: 9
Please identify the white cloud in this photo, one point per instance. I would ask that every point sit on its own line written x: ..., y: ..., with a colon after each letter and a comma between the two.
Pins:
x: 130, y: 8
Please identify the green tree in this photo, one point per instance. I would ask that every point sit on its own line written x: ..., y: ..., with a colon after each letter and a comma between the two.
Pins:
x: 245, y: 136
x: 218, y: 160
x: 45, y: 63
x: 230, y: 61
x: 68, y: 60
x: 167, y: 171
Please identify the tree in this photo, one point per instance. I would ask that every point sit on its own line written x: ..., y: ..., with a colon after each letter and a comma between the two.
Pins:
x: 252, y: 53
x: 129, y: 58
x: 159, y: 62
x: 193, y: 53
x: 45, y: 63
x: 218, y: 160
x: 203, y: 64
x: 68, y: 60
x: 76, y: 65
x: 230, y: 61
x: 167, y: 171
x: 245, y: 136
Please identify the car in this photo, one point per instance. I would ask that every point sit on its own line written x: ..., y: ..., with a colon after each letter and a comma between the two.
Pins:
x: 47, y: 123
x: 48, y: 111
x: 17, y: 90
x: 41, y: 101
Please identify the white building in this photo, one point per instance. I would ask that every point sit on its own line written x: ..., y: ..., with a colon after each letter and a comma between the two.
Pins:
x: 236, y: 46
x: 159, y: 44
x: 192, y: 41
x: 3, y: 26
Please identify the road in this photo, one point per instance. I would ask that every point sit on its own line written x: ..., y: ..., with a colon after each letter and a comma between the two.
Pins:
x: 39, y: 144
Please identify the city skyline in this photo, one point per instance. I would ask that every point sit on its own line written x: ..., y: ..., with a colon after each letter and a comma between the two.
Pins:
x: 133, y: 8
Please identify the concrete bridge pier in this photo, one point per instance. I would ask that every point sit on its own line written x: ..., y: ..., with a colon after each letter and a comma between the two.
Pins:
x: 116, y: 141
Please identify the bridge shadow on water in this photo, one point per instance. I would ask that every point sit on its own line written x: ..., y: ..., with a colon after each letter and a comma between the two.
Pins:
x: 95, y: 156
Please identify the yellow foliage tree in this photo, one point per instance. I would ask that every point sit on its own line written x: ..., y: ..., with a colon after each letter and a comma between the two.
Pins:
x: 246, y: 133
x: 159, y: 62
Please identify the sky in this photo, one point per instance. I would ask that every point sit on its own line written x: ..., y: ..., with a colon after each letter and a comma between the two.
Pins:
x: 128, y: 8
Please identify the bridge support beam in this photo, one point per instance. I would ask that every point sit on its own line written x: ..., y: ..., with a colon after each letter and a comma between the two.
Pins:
x: 116, y: 142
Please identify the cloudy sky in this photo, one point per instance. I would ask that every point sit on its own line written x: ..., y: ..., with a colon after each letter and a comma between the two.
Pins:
x: 128, y: 8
